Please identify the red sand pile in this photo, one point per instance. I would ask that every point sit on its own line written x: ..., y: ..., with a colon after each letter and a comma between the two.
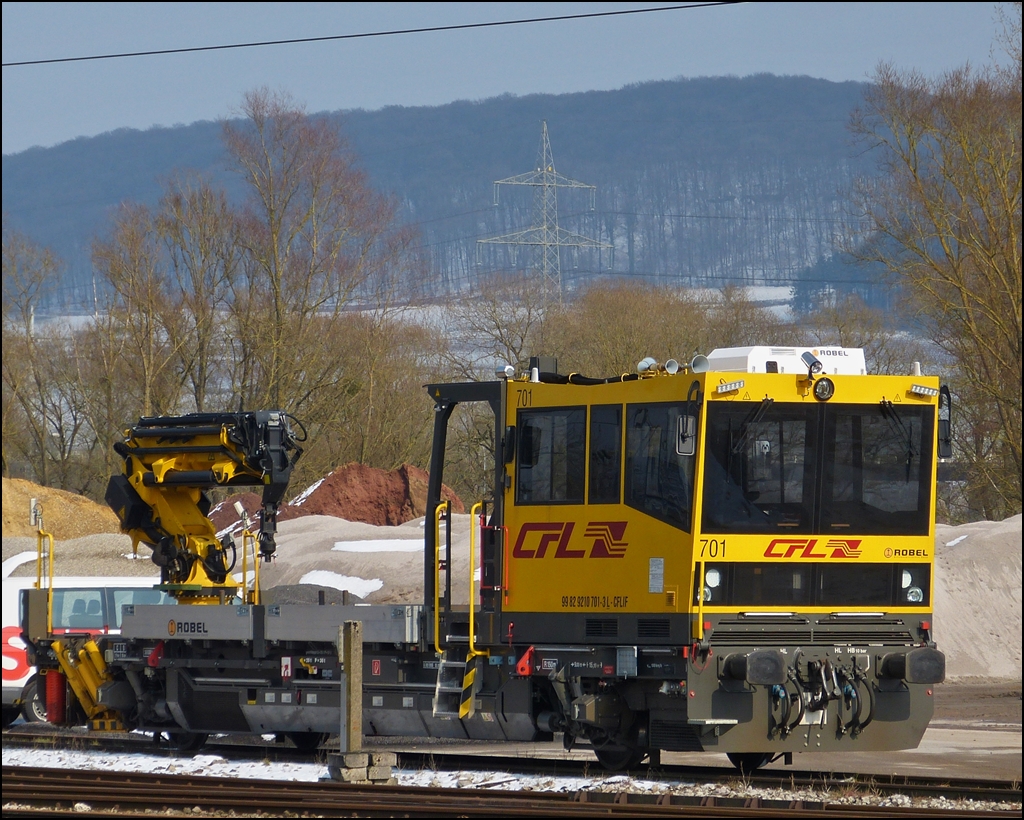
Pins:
x: 354, y: 492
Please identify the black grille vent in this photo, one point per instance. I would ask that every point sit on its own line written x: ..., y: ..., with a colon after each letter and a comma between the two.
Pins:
x: 652, y: 628
x: 725, y: 636
x: 855, y: 635
x: 674, y: 736
x: 602, y: 627
x: 752, y: 633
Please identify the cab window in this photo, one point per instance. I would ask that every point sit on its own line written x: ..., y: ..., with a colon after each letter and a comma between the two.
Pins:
x: 605, y: 454
x: 551, y: 456
x: 659, y: 478
x: 78, y: 609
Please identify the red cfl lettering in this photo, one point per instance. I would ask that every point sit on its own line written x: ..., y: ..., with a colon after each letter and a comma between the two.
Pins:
x: 604, y: 539
x: 788, y: 547
x: 548, y: 533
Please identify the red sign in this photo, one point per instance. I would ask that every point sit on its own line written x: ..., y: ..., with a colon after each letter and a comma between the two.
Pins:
x: 14, y: 653
x: 375, y: 667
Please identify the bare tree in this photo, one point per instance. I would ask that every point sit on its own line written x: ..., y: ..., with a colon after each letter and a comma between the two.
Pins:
x: 96, y: 366
x: 200, y: 233
x: 498, y: 322
x: 134, y: 266
x: 612, y: 326
x: 847, y: 321
x: 31, y: 412
x: 313, y: 232
x: 946, y: 217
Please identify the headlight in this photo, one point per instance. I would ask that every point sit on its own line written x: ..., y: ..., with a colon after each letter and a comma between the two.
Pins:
x: 907, y: 579
x: 824, y: 389
x: 707, y: 594
x: 915, y: 595
x: 713, y: 578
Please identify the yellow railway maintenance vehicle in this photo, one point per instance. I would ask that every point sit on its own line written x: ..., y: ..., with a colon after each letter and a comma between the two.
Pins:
x: 732, y: 556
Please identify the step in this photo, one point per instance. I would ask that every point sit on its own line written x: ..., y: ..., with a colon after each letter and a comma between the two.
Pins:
x: 446, y: 704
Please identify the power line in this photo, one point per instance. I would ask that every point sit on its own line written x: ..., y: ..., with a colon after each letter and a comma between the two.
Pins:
x: 367, y: 34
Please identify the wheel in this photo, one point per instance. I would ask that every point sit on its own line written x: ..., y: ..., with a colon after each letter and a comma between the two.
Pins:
x: 749, y: 762
x: 616, y: 758
x: 307, y: 741
x: 33, y: 706
x: 182, y: 741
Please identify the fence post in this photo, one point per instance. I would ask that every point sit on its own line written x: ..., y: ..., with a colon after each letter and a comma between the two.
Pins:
x: 351, y: 656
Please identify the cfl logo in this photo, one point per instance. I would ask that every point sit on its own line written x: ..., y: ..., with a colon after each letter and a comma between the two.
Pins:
x: 606, y: 540
x: 806, y: 548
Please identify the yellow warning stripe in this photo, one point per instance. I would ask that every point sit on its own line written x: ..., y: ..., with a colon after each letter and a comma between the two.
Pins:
x: 468, y: 691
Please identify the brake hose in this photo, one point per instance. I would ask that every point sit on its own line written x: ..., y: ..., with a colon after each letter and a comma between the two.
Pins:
x: 800, y: 699
x: 871, y: 708
x: 781, y: 694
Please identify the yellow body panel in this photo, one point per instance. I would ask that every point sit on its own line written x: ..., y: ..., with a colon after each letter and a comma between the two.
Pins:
x: 580, y: 557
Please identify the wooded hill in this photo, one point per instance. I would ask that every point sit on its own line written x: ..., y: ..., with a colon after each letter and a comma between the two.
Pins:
x: 706, y: 181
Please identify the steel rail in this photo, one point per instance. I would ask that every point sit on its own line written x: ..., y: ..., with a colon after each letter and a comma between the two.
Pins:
x: 790, y: 779
x: 32, y: 790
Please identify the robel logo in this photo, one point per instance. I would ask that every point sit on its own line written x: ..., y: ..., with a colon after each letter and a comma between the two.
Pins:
x: 605, y: 540
x: 829, y: 352
x: 186, y: 628
x: 903, y: 553
x: 808, y: 548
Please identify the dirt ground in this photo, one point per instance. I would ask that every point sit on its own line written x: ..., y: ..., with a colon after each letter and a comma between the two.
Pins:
x: 981, y: 702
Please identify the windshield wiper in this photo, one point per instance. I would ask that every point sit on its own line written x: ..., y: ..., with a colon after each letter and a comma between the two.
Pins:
x: 904, y: 431
x: 753, y: 417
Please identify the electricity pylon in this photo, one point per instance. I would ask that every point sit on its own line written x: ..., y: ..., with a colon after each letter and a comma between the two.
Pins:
x: 545, y: 232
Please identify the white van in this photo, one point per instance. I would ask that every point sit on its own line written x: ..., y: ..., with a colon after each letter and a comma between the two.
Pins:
x: 80, y: 604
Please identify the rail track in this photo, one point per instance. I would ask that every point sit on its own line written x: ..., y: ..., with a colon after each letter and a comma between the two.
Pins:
x: 790, y: 780
x: 32, y: 792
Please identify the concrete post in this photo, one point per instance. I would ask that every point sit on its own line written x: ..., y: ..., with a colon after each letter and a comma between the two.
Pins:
x: 350, y: 653
x: 352, y: 765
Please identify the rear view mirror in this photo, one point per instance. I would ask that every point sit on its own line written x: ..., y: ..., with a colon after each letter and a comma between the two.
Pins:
x: 529, y: 446
x: 508, y: 445
x: 945, y: 423
x: 686, y: 438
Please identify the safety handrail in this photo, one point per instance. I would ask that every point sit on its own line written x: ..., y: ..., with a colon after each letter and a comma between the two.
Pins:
x: 245, y: 566
x: 257, y: 559
x: 476, y: 521
x: 700, y: 603
x: 438, y: 512
x: 249, y: 543
x: 37, y: 517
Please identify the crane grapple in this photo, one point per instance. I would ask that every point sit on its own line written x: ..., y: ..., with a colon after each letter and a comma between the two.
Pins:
x: 170, y: 462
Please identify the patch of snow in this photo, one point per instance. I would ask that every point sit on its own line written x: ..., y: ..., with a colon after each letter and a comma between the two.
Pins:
x: 306, y: 493
x: 357, y: 586
x: 204, y: 764
x: 382, y: 545
x: 956, y: 541
x: 232, y: 529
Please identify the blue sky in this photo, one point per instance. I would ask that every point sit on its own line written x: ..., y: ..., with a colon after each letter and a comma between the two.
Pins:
x: 48, y: 104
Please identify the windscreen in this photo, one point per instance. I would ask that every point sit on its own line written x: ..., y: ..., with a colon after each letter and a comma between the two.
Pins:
x: 827, y: 468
